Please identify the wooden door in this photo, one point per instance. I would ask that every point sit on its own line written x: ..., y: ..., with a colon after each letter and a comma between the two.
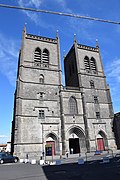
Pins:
x: 53, y: 146
x: 100, y: 144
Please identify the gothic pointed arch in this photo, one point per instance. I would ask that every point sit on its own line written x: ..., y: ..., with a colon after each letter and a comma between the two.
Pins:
x: 77, y: 141
x: 102, y: 142
x: 37, y: 56
x: 87, y: 63
x: 52, y: 143
x: 73, y: 109
x: 76, y: 130
x: 45, y: 57
x: 93, y: 64
x: 51, y: 135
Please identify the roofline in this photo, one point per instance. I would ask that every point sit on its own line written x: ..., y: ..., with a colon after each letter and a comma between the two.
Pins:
x: 40, y: 38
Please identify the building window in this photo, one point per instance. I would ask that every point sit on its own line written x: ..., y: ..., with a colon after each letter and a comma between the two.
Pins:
x: 96, y: 100
x: 92, y: 84
x: 45, y: 58
x: 73, y: 106
x: 41, y: 95
x: 97, y: 115
x: 41, y: 114
x: 90, y: 64
x: 41, y: 79
x: 93, y: 64
x: 52, y: 113
x: 87, y: 63
x: 37, y: 57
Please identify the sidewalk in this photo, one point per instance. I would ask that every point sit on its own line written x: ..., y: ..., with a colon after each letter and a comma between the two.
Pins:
x: 75, y: 157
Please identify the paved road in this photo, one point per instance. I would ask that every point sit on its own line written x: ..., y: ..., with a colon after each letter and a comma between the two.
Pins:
x: 92, y: 170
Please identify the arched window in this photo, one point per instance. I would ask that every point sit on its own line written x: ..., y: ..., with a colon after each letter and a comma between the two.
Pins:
x: 45, y: 57
x: 73, y: 106
x: 37, y: 56
x: 93, y: 64
x: 41, y: 79
x: 87, y: 63
x: 92, y: 84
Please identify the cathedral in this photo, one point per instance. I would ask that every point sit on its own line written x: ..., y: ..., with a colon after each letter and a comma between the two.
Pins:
x: 54, y: 119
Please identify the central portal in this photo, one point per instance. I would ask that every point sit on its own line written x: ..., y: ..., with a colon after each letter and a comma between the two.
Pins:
x: 74, y: 146
x: 76, y: 143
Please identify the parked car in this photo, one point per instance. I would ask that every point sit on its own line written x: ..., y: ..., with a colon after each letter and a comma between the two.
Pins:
x: 7, y: 158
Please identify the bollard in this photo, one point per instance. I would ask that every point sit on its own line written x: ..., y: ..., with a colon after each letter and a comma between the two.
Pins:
x: 21, y: 160
x: 33, y: 161
x: 42, y: 162
x: 26, y: 160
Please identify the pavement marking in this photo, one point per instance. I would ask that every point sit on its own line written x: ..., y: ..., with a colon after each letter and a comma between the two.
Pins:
x: 9, y: 164
x: 60, y: 172
x: 92, y: 162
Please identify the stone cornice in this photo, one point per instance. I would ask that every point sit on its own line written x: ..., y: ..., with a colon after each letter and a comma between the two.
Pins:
x: 40, y: 68
x: 41, y: 38
x: 89, y: 74
x: 30, y: 82
x: 88, y: 48
x: 33, y: 99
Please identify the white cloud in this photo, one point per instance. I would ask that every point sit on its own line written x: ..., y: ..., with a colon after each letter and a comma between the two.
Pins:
x: 35, y: 3
x: 73, y: 24
x: 8, y: 58
x: 4, y: 139
x: 113, y: 77
x: 113, y: 70
x: 4, y: 136
x: 63, y: 5
x: 33, y: 16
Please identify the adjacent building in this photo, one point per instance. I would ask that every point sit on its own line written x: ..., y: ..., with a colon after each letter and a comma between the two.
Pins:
x: 116, y: 129
x: 52, y: 118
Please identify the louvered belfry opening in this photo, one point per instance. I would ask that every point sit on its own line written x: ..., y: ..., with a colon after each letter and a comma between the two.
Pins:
x: 87, y: 63
x: 37, y: 56
x: 93, y: 64
x: 45, y: 57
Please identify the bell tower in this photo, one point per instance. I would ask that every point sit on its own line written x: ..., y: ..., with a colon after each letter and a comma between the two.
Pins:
x: 36, y: 122
x: 84, y: 69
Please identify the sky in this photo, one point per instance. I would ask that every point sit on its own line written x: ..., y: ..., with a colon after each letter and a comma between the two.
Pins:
x: 12, y: 22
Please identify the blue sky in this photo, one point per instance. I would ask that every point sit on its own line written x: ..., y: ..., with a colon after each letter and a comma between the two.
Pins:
x: 11, y: 26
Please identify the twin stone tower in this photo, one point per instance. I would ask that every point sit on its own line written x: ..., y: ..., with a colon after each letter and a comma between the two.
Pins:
x: 52, y: 118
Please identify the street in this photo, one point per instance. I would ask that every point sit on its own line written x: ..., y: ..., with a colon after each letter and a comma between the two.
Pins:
x: 92, y: 170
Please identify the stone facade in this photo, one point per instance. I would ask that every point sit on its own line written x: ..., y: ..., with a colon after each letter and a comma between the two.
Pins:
x: 51, y: 118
